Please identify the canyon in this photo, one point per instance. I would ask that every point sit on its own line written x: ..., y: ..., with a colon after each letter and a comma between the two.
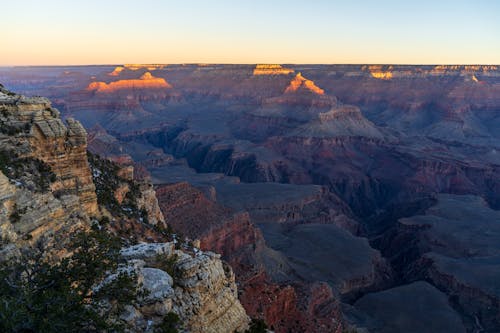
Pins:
x: 334, y: 192
x: 52, y: 190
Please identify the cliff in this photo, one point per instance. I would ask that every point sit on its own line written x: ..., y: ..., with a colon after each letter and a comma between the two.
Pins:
x: 32, y: 129
x: 146, y: 81
x: 300, y: 82
x: 198, y: 287
x: 285, y: 306
x: 28, y: 217
x: 342, y: 121
x: 271, y: 70
x: 50, y: 190
x: 301, y: 92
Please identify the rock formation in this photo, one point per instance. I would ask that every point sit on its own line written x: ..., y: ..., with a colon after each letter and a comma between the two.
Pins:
x: 149, y: 67
x: 28, y: 217
x: 378, y: 72
x: 453, y: 246
x: 379, y: 310
x: 271, y: 70
x: 342, y: 121
x: 285, y: 306
x: 42, y: 135
x: 300, y: 82
x: 43, y: 202
x: 381, y: 143
x: 201, y: 290
x: 117, y: 71
x: 146, y: 81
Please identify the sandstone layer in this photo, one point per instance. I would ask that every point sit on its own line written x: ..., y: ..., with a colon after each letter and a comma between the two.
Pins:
x: 42, y: 135
x: 146, y: 81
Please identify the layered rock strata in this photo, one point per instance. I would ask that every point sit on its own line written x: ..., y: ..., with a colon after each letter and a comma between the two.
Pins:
x: 201, y: 290
x: 39, y: 133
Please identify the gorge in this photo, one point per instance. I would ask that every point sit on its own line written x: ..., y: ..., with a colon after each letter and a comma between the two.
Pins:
x: 332, y: 193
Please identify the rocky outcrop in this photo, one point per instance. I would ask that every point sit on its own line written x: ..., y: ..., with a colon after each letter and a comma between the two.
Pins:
x: 195, y: 285
x: 146, y: 81
x: 301, y: 83
x: 149, y: 67
x: 146, y: 199
x: 116, y: 71
x: 294, y: 307
x: 30, y: 217
x: 378, y: 72
x: 342, y: 121
x: 263, y: 69
x: 201, y: 290
x: 428, y: 311
x: 41, y: 134
x: 453, y: 246
x: 149, y: 202
x: 220, y: 230
x: 301, y: 92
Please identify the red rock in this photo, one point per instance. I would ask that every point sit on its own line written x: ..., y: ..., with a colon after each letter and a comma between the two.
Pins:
x: 146, y: 81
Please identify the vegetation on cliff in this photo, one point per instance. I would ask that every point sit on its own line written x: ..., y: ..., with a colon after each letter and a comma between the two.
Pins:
x: 32, y: 173
x: 67, y: 259
x: 37, y: 295
x: 107, y: 180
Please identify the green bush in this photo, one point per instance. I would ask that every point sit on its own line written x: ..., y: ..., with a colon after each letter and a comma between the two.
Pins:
x: 106, y: 180
x: 257, y: 326
x: 39, y: 172
x: 9, y: 129
x: 167, y: 264
x: 39, y: 296
x: 170, y: 324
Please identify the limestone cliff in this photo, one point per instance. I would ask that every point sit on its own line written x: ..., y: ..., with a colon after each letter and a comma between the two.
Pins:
x: 274, y: 69
x: 33, y: 129
x: 199, y: 288
x: 300, y: 82
x: 27, y: 217
x: 146, y: 81
x: 49, y: 190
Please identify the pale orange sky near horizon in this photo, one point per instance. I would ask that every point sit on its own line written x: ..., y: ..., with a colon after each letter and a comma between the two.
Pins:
x: 57, y: 32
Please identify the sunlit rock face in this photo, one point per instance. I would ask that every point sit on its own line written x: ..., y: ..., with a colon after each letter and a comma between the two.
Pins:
x: 149, y: 67
x: 271, y: 70
x: 442, y: 69
x: 146, y: 81
x: 378, y: 72
x: 117, y: 71
x: 300, y: 82
x: 300, y: 99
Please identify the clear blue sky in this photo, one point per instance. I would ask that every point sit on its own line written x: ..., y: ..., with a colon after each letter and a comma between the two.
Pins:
x: 254, y: 31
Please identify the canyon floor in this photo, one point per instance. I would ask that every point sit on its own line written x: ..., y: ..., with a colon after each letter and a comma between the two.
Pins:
x: 341, y: 195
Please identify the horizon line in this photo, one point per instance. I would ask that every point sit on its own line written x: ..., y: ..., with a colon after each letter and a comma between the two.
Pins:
x: 251, y: 64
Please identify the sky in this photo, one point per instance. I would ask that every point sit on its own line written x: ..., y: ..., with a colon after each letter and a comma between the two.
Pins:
x: 65, y: 32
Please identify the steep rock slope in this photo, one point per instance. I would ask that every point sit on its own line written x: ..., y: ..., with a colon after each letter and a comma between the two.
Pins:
x: 453, y: 245
x: 43, y: 203
x: 264, y: 276
x: 37, y: 132
x: 341, y: 121
x: 146, y: 81
x: 199, y: 288
x: 390, y: 311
